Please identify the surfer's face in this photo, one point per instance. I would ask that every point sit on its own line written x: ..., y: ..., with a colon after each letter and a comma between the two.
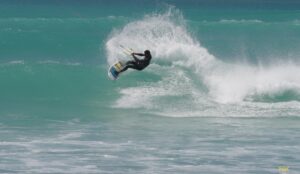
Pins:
x: 147, y: 53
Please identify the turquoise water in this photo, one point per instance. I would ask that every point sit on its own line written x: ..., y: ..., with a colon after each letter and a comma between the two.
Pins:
x: 222, y: 94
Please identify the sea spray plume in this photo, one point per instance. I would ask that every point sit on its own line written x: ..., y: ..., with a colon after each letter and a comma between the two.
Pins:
x: 169, y: 41
x: 164, y: 34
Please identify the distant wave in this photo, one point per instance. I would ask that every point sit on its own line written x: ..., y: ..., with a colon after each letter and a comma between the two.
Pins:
x: 66, y: 19
x: 58, y: 62
x: 241, y: 21
x: 22, y: 62
x: 296, y: 22
x: 247, y: 21
x: 231, y: 21
x: 13, y: 62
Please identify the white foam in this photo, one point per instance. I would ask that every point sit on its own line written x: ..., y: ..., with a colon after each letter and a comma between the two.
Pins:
x: 176, y: 84
x: 234, y: 83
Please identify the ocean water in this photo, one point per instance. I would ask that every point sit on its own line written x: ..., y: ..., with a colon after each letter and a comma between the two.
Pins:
x: 221, y: 95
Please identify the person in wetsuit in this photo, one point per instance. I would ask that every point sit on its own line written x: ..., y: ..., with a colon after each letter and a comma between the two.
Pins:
x: 139, y: 64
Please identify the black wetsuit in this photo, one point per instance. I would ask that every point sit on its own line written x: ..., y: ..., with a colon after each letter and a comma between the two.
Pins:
x: 138, y: 64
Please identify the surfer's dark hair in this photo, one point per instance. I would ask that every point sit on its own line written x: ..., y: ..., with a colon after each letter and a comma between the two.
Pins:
x: 147, y: 52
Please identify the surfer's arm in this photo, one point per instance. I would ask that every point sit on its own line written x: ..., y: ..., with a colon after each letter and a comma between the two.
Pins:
x: 138, y: 54
x: 134, y: 57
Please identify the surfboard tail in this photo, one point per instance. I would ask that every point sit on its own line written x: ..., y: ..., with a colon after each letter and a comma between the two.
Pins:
x: 115, y: 70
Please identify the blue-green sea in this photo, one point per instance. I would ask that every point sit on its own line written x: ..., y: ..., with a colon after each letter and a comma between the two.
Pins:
x: 221, y: 95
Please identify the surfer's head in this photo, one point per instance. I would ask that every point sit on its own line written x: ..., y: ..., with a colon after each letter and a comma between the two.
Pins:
x: 147, y: 53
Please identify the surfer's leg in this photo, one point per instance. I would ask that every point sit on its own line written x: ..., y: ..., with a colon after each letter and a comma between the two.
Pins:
x: 130, y: 64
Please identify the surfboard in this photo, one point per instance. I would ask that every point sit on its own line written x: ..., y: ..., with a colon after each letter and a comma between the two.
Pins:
x: 115, y: 70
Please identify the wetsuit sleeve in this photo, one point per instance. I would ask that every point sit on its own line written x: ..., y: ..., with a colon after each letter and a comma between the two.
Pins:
x: 135, y: 58
x: 139, y: 54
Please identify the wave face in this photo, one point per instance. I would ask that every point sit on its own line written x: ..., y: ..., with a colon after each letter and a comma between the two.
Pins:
x: 193, y: 82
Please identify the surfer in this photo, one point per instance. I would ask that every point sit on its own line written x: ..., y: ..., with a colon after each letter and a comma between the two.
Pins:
x: 138, y: 64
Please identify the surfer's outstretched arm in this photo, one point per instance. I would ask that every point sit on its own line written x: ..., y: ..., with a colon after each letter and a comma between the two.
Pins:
x: 138, y: 54
x: 135, y: 58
